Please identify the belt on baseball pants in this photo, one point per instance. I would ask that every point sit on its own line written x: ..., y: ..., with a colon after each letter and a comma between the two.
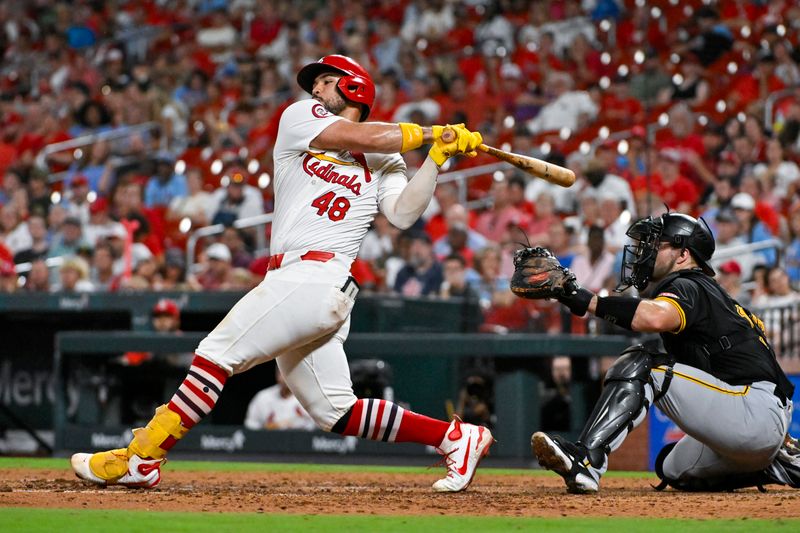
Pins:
x: 313, y: 255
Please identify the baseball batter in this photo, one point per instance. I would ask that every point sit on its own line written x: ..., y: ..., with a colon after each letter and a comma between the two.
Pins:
x: 333, y: 171
x: 719, y: 380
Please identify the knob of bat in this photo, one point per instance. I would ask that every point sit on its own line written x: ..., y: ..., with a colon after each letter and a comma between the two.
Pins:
x: 449, y: 135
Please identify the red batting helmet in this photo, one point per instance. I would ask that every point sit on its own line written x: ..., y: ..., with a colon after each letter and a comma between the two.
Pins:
x: 356, y: 85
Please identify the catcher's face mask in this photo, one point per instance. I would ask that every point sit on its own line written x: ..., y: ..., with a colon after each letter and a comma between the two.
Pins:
x: 639, y: 259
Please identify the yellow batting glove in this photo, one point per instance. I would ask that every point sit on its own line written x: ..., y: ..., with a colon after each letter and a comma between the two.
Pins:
x: 463, y: 142
x: 468, y: 142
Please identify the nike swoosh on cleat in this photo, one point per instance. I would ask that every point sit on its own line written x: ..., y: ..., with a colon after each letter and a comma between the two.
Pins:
x: 145, y: 469
x: 463, y: 469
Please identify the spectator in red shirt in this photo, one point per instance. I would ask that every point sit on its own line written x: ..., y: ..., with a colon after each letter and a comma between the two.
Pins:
x: 494, y: 223
x: 618, y: 107
x: 754, y: 85
x: 681, y: 134
x: 678, y: 191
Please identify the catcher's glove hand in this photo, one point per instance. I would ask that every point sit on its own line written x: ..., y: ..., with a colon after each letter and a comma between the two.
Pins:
x: 539, y: 275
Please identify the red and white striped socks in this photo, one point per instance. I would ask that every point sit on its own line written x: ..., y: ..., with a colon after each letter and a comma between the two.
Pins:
x: 374, y: 419
x: 197, y: 395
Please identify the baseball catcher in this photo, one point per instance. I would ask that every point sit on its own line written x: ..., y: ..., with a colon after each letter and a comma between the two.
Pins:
x: 719, y: 379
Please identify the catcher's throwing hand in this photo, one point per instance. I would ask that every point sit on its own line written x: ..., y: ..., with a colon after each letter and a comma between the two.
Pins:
x: 465, y: 142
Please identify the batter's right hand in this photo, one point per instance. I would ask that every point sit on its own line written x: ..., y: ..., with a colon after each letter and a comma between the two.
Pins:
x: 464, y: 142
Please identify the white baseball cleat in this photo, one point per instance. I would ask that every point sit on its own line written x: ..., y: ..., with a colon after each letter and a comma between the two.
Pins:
x: 568, y: 461
x: 463, y: 447
x: 115, y: 468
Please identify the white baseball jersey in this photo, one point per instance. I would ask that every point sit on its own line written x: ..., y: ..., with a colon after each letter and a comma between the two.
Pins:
x: 326, y: 200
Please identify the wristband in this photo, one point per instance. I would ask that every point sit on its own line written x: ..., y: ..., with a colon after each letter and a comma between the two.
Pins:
x: 412, y: 136
x: 618, y: 310
x: 578, y: 301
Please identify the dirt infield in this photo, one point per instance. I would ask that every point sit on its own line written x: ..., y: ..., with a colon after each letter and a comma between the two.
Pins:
x: 382, y: 493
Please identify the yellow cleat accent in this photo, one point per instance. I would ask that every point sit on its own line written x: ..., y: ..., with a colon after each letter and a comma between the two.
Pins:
x: 110, y: 465
x: 147, y: 440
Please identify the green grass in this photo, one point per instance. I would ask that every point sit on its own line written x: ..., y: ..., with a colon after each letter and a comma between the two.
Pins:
x: 242, y: 466
x: 90, y: 521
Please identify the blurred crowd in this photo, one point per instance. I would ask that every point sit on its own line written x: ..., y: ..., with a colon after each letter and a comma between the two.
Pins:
x: 127, y: 125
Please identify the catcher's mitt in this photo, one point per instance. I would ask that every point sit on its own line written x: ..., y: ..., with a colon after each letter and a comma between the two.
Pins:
x: 539, y: 275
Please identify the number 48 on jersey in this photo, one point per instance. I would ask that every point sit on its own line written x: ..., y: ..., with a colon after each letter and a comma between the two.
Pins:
x: 336, y: 207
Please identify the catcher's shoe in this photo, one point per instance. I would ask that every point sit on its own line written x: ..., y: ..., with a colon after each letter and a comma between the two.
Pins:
x: 114, y: 467
x: 463, y: 447
x: 567, y: 460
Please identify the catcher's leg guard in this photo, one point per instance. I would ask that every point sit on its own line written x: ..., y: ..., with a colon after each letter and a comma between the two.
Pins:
x: 113, y: 464
x: 623, y: 404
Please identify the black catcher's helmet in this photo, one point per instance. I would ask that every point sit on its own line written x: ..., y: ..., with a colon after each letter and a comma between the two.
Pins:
x: 679, y: 230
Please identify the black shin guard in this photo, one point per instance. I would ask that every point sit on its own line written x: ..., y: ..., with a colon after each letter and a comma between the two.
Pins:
x: 620, y: 404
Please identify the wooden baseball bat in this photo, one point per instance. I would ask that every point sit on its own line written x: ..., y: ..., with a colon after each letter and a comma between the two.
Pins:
x: 535, y: 167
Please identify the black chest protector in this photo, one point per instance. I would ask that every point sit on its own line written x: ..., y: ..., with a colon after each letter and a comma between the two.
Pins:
x: 720, y: 337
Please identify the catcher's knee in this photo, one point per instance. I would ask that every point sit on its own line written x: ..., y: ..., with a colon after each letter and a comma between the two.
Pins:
x: 633, y: 364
